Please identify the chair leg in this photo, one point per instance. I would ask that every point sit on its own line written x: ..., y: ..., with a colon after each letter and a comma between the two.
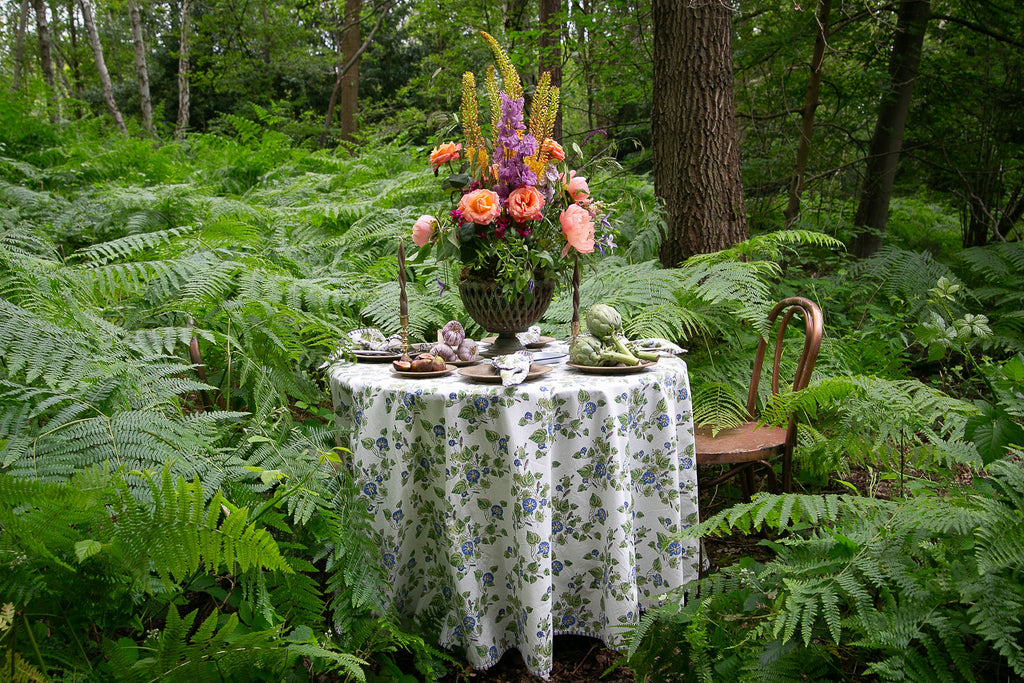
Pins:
x: 773, y: 482
x: 787, y: 471
x: 748, y: 481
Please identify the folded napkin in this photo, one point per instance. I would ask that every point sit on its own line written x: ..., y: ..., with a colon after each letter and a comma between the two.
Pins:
x: 661, y: 346
x: 531, y: 336
x: 373, y: 339
x: 513, y: 367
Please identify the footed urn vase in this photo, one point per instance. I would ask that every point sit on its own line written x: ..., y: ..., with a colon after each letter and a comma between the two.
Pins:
x: 488, y: 305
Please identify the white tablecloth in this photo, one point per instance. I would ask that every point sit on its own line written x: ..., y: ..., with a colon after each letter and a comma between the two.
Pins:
x: 518, y: 513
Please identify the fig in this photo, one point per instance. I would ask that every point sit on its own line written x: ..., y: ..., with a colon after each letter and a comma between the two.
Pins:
x: 438, y: 363
x: 421, y: 364
x: 402, y: 365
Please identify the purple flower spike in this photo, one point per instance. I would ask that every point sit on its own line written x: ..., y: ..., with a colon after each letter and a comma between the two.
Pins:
x: 513, y: 146
x: 530, y: 285
x: 440, y: 288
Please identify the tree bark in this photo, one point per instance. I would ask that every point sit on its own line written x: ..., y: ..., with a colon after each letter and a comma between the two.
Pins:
x: 45, y: 54
x: 141, y: 70
x: 550, y: 46
x: 887, y: 140
x: 77, y: 84
x: 183, y: 69
x: 803, y: 149
x: 342, y: 69
x: 19, y: 45
x: 101, y: 64
x: 696, y: 152
x: 350, y: 81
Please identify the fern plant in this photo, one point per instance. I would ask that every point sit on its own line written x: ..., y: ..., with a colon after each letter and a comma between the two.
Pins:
x: 922, y: 589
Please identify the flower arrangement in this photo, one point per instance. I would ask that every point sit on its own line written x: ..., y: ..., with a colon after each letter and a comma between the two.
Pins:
x: 518, y: 215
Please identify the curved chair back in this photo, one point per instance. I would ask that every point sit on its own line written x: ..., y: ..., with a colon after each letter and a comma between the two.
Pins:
x: 813, y: 331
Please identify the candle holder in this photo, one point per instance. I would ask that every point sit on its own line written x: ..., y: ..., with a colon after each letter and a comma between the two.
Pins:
x: 574, y: 325
x: 403, y: 320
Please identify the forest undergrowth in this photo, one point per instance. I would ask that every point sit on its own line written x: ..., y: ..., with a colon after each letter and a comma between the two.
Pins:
x: 170, y: 520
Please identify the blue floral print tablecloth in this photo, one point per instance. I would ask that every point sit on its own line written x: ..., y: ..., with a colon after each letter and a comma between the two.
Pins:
x: 514, y: 514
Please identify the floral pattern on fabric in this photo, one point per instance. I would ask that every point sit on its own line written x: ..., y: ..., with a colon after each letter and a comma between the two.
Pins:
x: 526, y: 511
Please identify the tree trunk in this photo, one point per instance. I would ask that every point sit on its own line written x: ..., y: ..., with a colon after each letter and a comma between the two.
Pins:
x: 77, y: 85
x: 350, y: 81
x: 342, y: 69
x: 550, y: 46
x: 696, y: 152
x: 584, y: 49
x: 19, y: 44
x: 101, y: 65
x: 884, y: 152
x: 45, y: 56
x: 183, y: 70
x: 803, y: 149
x: 141, y: 71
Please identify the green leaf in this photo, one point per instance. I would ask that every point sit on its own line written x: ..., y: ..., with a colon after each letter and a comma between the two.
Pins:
x: 86, y: 549
x: 992, y: 431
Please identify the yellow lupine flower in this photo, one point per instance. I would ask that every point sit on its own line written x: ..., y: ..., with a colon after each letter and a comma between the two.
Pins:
x: 513, y: 86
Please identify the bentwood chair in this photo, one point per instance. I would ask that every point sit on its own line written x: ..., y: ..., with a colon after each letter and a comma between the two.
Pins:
x: 743, y: 448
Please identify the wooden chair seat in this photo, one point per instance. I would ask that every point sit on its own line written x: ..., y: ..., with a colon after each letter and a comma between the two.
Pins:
x: 740, y: 444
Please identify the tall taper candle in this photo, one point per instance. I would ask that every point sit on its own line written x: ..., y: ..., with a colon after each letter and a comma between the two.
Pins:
x: 403, y: 304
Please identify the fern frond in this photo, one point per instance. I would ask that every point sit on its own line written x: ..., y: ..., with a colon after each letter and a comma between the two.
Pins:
x: 126, y: 247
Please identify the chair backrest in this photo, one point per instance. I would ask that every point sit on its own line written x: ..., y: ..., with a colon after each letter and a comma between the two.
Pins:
x: 813, y: 330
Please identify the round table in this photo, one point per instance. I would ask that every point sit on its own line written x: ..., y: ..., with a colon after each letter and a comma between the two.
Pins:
x: 508, y: 515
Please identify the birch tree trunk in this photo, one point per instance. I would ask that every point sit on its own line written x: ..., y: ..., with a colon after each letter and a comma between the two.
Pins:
x: 693, y: 122
x: 19, y: 44
x: 101, y: 65
x: 141, y: 70
x: 183, y: 69
x: 803, y: 149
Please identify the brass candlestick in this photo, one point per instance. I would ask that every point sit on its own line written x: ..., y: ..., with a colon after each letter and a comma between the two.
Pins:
x: 574, y: 326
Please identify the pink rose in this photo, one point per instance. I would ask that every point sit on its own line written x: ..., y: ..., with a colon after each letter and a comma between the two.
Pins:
x: 449, y: 151
x: 554, y: 150
x: 577, y: 188
x: 423, y: 230
x: 525, y: 204
x: 578, y: 228
x: 480, y: 206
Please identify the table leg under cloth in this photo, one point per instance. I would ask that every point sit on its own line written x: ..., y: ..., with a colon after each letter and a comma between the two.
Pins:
x: 520, y: 513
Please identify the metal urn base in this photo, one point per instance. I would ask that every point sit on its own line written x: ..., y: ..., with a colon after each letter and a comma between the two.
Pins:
x: 486, y: 303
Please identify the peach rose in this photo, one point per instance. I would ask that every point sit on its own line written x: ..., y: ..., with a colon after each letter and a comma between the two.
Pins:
x: 525, y: 204
x: 423, y: 230
x: 578, y: 228
x: 480, y: 206
x: 554, y: 150
x: 449, y: 151
x: 577, y: 188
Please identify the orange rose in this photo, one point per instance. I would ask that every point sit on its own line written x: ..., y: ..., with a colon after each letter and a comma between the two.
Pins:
x: 576, y: 188
x: 449, y: 151
x: 480, y: 206
x: 554, y: 150
x: 578, y: 228
x: 525, y: 204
